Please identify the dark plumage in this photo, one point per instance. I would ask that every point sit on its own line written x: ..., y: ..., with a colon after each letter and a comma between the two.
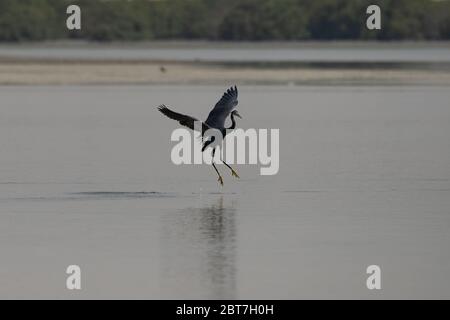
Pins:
x: 183, y: 119
x: 216, y: 120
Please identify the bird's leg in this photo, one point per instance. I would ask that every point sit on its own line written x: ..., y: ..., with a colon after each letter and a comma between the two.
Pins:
x: 220, y: 177
x: 214, y: 166
x: 233, y: 173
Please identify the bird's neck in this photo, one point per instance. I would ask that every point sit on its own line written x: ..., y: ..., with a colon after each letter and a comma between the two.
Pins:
x: 233, y: 123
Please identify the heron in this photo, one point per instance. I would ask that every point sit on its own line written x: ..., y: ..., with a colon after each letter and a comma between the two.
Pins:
x: 216, y: 120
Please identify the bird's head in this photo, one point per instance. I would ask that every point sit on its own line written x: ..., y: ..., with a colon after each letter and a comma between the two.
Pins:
x: 236, y: 113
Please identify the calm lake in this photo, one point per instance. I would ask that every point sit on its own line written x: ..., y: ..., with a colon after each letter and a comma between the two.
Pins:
x: 86, y: 178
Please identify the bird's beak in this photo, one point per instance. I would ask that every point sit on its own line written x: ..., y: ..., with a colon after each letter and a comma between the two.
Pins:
x: 237, y: 115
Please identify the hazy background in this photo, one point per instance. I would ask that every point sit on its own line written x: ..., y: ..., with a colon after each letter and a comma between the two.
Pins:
x: 85, y: 170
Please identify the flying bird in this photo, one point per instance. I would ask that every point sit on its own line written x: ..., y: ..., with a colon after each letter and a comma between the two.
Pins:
x: 216, y: 120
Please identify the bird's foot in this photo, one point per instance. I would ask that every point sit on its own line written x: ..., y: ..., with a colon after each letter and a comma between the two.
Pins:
x: 234, y: 173
x: 220, y: 181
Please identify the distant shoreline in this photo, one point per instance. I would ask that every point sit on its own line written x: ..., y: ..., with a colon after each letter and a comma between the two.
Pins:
x: 181, y: 62
x: 107, y: 73
x: 221, y: 52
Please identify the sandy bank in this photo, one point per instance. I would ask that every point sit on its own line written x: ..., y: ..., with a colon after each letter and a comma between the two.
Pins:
x: 85, y: 73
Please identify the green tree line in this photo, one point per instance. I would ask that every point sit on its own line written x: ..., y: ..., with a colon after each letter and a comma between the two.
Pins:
x: 252, y: 20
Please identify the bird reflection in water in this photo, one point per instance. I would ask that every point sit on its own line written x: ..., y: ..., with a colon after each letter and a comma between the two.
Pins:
x: 198, y: 252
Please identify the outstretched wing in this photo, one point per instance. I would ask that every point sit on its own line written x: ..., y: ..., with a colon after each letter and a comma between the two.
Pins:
x: 217, y: 116
x: 183, y: 119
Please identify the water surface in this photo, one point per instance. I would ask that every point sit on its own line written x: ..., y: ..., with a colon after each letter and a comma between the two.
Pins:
x: 86, y: 179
